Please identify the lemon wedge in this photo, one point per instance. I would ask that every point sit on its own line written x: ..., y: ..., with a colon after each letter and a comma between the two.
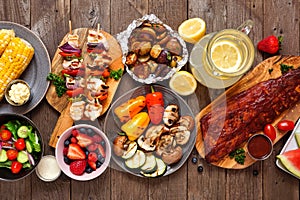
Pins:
x: 192, y: 30
x: 297, y: 136
x: 183, y: 83
x: 226, y: 56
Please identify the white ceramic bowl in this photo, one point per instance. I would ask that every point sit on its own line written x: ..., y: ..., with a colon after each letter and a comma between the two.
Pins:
x: 66, y: 168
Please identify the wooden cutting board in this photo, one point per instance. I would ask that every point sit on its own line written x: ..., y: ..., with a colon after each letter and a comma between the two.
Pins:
x: 61, y: 104
x: 258, y: 74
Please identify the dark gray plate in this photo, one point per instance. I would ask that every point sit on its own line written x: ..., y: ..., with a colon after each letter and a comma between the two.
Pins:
x: 112, y: 124
x: 36, y: 72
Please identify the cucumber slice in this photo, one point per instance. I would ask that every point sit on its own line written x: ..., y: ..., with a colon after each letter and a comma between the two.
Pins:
x: 150, y: 164
x: 23, y: 132
x: 136, y: 161
x: 22, y: 157
x: 3, y: 156
x: 132, y: 147
x: 161, y: 169
x: 29, y: 146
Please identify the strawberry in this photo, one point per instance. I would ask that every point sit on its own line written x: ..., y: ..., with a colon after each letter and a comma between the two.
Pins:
x: 270, y: 44
x: 97, y: 138
x: 12, y: 154
x: 65, y: 151
x: 73, y: 140
x: 77, y: 167
x: 16, y: 167
x: 92, y: 165
x: 92, y: 157
x: 84, y: 140
x: 75, y: 152
x: 75, y: 132
x: 92, y: 147
x: 101, y: 150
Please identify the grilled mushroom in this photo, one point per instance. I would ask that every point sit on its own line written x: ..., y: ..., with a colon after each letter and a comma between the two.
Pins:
x: 165, y: 143
x: 118, y: 146
x: 186, y: 121
x: 171, y: 114
x: 182, y: 135
x: 172, y: 156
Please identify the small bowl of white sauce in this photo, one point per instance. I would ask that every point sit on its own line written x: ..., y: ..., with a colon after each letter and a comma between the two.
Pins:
x: 48, y: 169
x: 17, y: 93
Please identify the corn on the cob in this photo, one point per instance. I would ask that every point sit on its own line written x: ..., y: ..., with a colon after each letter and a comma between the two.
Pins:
x: 14, y: 61
x: 5, y: 37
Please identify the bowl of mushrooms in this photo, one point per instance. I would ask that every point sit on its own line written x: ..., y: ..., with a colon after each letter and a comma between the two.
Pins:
x: 152, y: 51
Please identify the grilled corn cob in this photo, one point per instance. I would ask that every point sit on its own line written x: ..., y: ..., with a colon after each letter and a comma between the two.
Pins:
x: 5, y: 37
x: 14, y: 61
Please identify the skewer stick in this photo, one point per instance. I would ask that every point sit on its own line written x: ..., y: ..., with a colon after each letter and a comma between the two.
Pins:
x: 70, y: 27
x: 98, y: 28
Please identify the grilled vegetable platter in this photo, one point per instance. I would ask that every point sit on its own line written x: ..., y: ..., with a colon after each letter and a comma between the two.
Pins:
x: 151, y: 130
x: 28, y: 60
x: 265, y: 101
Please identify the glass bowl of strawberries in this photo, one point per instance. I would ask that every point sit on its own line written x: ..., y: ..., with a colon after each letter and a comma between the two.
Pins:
x: 83, y: 152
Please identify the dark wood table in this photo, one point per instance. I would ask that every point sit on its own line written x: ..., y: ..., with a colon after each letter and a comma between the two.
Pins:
x: 49, y: 19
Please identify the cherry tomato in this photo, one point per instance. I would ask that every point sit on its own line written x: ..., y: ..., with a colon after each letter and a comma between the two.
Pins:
x: 73, y: 72
x: 75, y: 92
x: 20, y: 144
x: 270, y: 131
x: 12, y: 154
x: 106, y: 73
x: 16, y: 167
x: 286, y: 125
x: 5, y: 135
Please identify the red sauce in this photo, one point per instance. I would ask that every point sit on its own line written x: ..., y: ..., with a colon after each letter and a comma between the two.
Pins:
x: 259, y: 146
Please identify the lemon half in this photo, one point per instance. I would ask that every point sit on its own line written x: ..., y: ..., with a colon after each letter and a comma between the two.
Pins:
x: 192, y: 30
x: 183, y: 83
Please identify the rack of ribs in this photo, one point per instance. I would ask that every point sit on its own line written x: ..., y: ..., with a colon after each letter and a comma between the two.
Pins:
x: 227, y: 126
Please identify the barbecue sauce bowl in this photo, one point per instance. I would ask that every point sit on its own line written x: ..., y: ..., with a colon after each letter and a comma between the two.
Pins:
x: 259, y: 147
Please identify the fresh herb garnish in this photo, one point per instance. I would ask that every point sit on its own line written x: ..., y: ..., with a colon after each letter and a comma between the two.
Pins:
x: 270, y: 70
x: 285, y: 68
x: 59, y: 83
x: 116, y: 74
x: 238, y: 155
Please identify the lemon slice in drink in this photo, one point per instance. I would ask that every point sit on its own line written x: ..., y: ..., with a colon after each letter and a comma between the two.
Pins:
x: 297, y: 136
x: 183, y: 83
x: 226, y: 56
x: 192, y: 30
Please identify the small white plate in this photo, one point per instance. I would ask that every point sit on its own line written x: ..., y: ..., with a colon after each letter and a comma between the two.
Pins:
x: 289, y: 145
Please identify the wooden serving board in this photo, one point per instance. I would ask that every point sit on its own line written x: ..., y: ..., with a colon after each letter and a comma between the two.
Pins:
x: 258, y: 74
x: 61, y: 104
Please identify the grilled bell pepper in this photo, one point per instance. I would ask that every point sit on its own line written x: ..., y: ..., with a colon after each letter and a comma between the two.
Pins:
x: 135, y: 127
x: 155, y: 106
x: 129, y: 109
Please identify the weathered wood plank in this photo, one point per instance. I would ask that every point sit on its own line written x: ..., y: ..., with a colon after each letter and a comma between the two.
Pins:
x: 18, y: 12
x: 49, y: 20
x: 281, y: 18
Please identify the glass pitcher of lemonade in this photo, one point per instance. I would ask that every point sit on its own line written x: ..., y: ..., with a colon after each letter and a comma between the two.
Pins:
x: 226, y: 54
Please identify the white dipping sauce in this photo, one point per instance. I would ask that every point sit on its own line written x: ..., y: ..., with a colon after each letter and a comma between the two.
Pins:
x: 19, y: 93
x: 48, y: 169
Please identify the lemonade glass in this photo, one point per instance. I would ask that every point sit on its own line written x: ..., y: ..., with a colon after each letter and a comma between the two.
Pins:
x: 226, y: 54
